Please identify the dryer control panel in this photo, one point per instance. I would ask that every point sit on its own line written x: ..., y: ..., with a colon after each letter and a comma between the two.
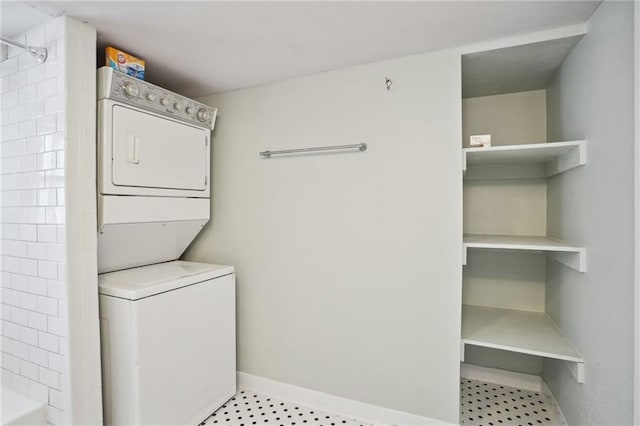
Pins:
x: 123, y: 88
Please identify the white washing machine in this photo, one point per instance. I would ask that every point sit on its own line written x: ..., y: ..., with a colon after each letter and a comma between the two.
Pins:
x: 168, y: 342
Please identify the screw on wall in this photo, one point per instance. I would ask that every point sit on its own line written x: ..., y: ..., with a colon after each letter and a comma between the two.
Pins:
x: 388, y: 83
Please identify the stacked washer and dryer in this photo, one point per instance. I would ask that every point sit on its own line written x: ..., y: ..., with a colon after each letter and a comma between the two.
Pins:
x: 167, y: 326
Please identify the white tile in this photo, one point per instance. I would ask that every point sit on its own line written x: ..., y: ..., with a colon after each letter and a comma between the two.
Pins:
x: 35, y: 180
x: 12, y: 148
x: 60, y: 197
x: 20, y: 384
x: 26, y: 61
x: 9, y: 132
x: 38, y: 391
x: 38, y: 321
x: 55, y: 215
x: 47, y: 305
x: 9, y: 66
x: 48, y: 341
x: 37, y: 251
x: 28, y: 370
x: 19, y: 249
x: 34, y: 109
x: 54, y: 178
x: 27, y: 94
x: 28, y: 232
x: 5, y: 312
x: 45, y: 125
x: 54, y: 69
x: 47, y: 160
x: 10, y: 99
x: 20, y: 316
x: 10, y: 296
x: 49, y: 377
x: 38, y: 286
x: 55, y: 253
x: 57, y: 289
x: 47, y: 197
x: 54, y: 29
x: 58, y: 363
x: 59, y: 326
x: 47, y: 233
x: 27, y: 163
x: 55, y: 141
x: 28, y: 198
x: 29, y: 336
x: 58, y: 399
x: 54, y: 104
x: 34, y: 144
x: 19, y: 282
x: 53, y: 416
x: 15, y: 348
x: 29, y: 267
x: 61, y: 122
x: 17, y: 80
x: 35, y: 75
x: 16, y: 114
x: 47, y: 88
x: 38, y: 356
x: 27, y: 128
x: 28, y: 301
x: 11, y: 363
x: 60, y: 160
x: 10, y: 330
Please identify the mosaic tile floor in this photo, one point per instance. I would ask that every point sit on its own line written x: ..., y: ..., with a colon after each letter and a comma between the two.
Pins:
x: 249, y: 408
x: 488, y: 404
x: 481, y: 404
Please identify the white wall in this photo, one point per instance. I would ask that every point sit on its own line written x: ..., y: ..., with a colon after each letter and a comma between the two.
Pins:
x: 34, y: 295
x: 348, y: 264
x: 591, y: 97
x: 40, y: 132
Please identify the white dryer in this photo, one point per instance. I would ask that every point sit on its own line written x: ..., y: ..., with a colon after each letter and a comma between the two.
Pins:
x: 168, y: 343
x: 153, y: 171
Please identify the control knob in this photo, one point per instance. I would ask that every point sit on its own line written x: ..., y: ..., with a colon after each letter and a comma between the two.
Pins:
x: 190, y: 110
x: 151, y: 97
x: 178, y: 106
x: 204, y: 115
x: 130, y: 90
x: 164, y: 101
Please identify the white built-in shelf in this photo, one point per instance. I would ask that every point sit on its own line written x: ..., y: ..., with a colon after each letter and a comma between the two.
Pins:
x: 532, y: 333
x: 565, y: 253
x: 540, y: 160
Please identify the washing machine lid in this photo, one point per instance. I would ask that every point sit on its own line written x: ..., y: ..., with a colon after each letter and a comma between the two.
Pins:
x: 146, y: 281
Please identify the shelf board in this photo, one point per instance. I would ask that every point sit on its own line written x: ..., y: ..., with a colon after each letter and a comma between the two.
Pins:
x: 539, y: 160
x: 530, y: 333
x: 570, y: 255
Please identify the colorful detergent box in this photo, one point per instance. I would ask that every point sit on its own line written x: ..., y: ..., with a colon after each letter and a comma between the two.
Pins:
x: 124, y: 62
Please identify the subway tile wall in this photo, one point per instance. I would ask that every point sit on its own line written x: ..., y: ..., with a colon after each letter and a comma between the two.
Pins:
x: 34, y: 324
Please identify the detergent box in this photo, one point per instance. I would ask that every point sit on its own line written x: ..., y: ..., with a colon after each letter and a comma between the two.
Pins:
x: 124, y: 62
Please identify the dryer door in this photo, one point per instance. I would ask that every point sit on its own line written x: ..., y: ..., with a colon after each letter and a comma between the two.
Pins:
x: 151, y: 151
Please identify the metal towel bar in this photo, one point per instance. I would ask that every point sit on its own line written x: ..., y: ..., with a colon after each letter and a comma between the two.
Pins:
x: 359, y: 146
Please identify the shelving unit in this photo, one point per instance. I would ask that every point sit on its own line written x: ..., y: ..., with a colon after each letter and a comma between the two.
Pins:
x: 539, y: 160
x: 530, y: 333
x: 570, y: 255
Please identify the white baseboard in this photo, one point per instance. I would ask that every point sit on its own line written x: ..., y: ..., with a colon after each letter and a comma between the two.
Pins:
x: 502, y: 377
x: 342, y: 406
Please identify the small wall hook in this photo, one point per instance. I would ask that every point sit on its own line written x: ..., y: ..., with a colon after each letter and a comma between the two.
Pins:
x: 388, y: 82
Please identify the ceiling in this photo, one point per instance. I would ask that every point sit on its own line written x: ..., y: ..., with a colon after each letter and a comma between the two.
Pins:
x: 199, y: 48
